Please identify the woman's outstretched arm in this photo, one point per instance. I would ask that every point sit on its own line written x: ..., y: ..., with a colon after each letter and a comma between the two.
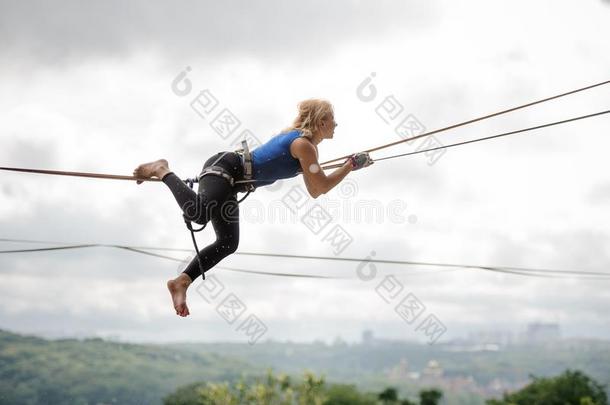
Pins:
x: 316, y: 181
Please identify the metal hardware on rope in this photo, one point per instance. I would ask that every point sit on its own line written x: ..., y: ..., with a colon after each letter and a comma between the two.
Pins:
x: 246, y: 158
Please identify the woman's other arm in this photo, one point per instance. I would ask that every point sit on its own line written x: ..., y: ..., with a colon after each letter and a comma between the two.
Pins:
x: 316, y: 181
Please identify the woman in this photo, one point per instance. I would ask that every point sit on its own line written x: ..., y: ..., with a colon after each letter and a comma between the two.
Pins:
x: 294, y: 149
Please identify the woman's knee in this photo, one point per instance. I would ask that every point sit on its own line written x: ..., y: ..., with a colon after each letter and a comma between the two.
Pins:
x: 232, y: 245
x: 227, y: 245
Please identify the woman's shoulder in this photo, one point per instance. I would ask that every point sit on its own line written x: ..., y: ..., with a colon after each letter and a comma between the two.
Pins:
x: 302, y: 145
x: 291, y: 131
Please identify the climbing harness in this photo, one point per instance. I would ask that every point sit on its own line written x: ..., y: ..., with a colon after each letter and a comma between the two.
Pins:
x: 246, y: 185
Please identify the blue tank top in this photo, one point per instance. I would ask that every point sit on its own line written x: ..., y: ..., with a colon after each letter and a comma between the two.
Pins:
x: 272, y: 160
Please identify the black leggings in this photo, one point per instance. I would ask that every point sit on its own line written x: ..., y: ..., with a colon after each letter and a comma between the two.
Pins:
x: 215, y: 200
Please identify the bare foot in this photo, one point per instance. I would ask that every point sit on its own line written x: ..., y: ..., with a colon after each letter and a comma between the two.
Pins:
x: 158, y: 168
x: 177, y: 288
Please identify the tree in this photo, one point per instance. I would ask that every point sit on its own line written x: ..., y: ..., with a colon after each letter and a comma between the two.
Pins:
x: 280, y: 390
x: 186, y: 395
x: 270, y: 389
x: 388, y: 396
x: 430, y: 397
x: 569, y: 388
x: 347, y: 394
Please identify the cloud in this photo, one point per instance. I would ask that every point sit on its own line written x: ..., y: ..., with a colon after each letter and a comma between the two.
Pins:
x: 271, y: 30
x: 600, y: 194
x: 30, y: 152
x: 581, y: 249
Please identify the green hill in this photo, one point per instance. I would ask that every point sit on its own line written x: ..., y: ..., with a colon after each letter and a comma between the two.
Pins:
x: 94, y: 371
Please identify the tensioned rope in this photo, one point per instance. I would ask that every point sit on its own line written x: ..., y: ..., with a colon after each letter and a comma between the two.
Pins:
x: 77, y: 174
x: 582, y: 117
x: 122, y: 177
x: 142, y: 250
x: 436, y: 131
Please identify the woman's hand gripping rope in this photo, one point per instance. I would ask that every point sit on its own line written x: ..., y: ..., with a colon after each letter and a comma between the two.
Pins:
x: 360, y: 160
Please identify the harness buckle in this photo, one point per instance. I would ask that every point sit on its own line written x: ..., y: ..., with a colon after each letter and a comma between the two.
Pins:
x: 244, y: 153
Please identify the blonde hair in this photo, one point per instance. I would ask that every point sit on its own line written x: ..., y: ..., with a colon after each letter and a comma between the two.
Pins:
x: 311, y: 113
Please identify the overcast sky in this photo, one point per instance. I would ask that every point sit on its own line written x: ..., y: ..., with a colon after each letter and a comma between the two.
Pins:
x: 89, y: 88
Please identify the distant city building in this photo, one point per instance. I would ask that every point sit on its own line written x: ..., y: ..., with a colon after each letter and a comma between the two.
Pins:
x: 400, y: 371
x: 339, y: 342
x: 367, y: 337
x: 433, y: 370
x: 413, y: 375
x: 499, y: 337
x: 542, y: 332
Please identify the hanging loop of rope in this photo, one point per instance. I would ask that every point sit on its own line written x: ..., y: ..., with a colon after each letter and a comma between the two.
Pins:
x: 522, y: 271
x: 189, y: 226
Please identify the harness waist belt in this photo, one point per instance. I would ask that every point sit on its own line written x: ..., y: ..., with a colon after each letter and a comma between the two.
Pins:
x: 244, y: 185
x: 218, y: 171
